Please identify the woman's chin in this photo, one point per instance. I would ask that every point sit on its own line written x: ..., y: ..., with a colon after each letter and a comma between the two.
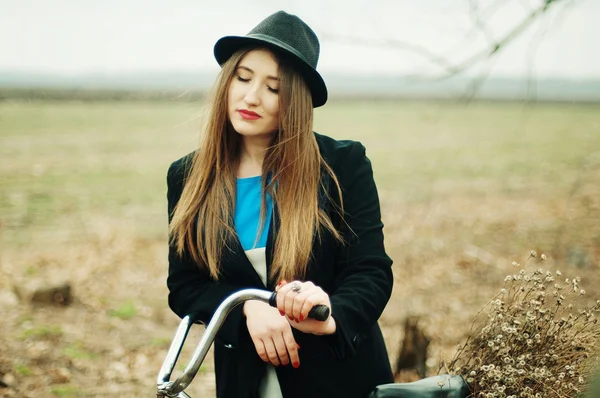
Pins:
x: 251, y: 131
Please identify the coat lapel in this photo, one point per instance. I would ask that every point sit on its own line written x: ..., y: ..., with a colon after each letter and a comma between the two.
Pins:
x: 273, y: 228
x: 237, y: 268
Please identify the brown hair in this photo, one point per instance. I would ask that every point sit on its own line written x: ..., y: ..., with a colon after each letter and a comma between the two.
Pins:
x: 202, y: 222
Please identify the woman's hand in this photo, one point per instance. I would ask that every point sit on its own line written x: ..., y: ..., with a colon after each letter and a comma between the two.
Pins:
x: 296, y: 299
x: 271, y: 334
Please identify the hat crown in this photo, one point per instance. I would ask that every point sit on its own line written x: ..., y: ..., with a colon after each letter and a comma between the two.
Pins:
x: 292, y: 31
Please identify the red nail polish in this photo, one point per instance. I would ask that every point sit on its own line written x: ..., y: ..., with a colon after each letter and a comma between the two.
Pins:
x: 301, y: 317
x: 297, y: 321
x: 282, y: 313
x: 295, y: 365
x: 298, y: 345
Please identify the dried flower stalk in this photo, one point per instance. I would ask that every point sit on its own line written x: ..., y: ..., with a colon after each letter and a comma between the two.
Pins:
x: 534, y: 343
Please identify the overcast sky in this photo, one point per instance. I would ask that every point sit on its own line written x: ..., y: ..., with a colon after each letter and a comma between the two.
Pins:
x: 79, y: 36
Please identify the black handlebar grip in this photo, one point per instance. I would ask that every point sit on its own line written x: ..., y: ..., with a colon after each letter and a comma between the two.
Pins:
x: 319, y: 312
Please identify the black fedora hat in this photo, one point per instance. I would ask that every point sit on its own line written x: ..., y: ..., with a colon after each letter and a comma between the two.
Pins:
x: 286, y: 34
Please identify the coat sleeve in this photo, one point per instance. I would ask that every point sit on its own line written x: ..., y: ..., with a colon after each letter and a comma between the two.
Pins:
x: 191, y: 290
x: 364, y: 279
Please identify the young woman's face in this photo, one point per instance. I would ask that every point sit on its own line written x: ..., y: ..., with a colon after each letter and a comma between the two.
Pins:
x: 253, y: 103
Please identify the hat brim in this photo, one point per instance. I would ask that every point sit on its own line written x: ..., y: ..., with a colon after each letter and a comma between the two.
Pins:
x: 226, y: 46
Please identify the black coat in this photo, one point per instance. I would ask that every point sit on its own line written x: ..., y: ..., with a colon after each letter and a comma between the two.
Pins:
x: 356, y: 275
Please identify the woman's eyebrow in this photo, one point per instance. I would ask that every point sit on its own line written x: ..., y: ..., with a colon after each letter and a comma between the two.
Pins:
x: 251, y: 71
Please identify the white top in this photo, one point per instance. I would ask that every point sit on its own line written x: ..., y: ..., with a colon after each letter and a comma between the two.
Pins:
x: 269, y: 385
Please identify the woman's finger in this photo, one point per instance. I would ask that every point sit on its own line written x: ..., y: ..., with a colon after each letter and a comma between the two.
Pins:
x: 299, y: 301
x: 294, y: 299
x: 292, y: 348
x: 271, y: 352
x: 260, y: 350
x: 281, y: 348
x: 280, y: 284
x: 281, y: 289
x: 288, y: 304
x: 317, y: 297
x: 285, y: 296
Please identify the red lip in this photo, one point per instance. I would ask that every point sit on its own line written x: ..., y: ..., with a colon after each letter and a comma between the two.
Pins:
x: 248, y: 115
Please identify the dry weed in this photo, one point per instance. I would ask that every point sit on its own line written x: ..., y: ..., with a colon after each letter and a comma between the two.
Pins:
x: 540, y: 339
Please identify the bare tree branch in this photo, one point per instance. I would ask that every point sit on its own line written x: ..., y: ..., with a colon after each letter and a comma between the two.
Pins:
x: 452, y: 69
x: 390, y: 43
x: 533, y: 48
x: 526, y: 5
x: 482, y: 15
x: 478, y: 22
x: 535, y: 44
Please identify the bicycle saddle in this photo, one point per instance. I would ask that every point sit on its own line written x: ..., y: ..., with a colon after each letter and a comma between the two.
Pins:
x: 445, y: 386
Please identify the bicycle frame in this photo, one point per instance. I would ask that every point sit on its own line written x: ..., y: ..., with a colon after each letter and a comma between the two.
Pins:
x: 453, y: 386
x: 166, y: 388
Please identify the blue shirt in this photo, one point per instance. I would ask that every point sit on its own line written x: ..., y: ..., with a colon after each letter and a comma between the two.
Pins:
x: 247, y: 213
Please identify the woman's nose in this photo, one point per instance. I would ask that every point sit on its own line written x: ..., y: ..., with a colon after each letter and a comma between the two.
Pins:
x: 252, y: 97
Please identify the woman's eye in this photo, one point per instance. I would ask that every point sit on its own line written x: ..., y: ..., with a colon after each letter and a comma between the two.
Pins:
x: 273, y: 90
x: 242, y: 79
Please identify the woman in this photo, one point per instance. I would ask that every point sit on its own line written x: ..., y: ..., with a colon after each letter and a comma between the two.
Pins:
x: 267, y: 203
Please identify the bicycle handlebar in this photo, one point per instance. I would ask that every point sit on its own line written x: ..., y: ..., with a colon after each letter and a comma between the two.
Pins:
x: 319, y: 312
x: 166, y: 388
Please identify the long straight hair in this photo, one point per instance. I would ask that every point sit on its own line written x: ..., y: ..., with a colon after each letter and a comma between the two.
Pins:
x: 293, y: 168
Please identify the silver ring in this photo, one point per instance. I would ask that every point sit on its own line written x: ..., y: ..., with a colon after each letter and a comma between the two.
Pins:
x: 296, y: 287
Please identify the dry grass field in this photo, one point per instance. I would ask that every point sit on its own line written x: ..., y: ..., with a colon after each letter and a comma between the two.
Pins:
x: 465, y: 191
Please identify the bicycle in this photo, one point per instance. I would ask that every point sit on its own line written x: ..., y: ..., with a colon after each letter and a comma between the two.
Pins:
x: 445, y: 386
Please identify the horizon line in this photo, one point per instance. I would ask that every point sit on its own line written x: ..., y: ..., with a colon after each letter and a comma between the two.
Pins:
x: 207, y: 71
